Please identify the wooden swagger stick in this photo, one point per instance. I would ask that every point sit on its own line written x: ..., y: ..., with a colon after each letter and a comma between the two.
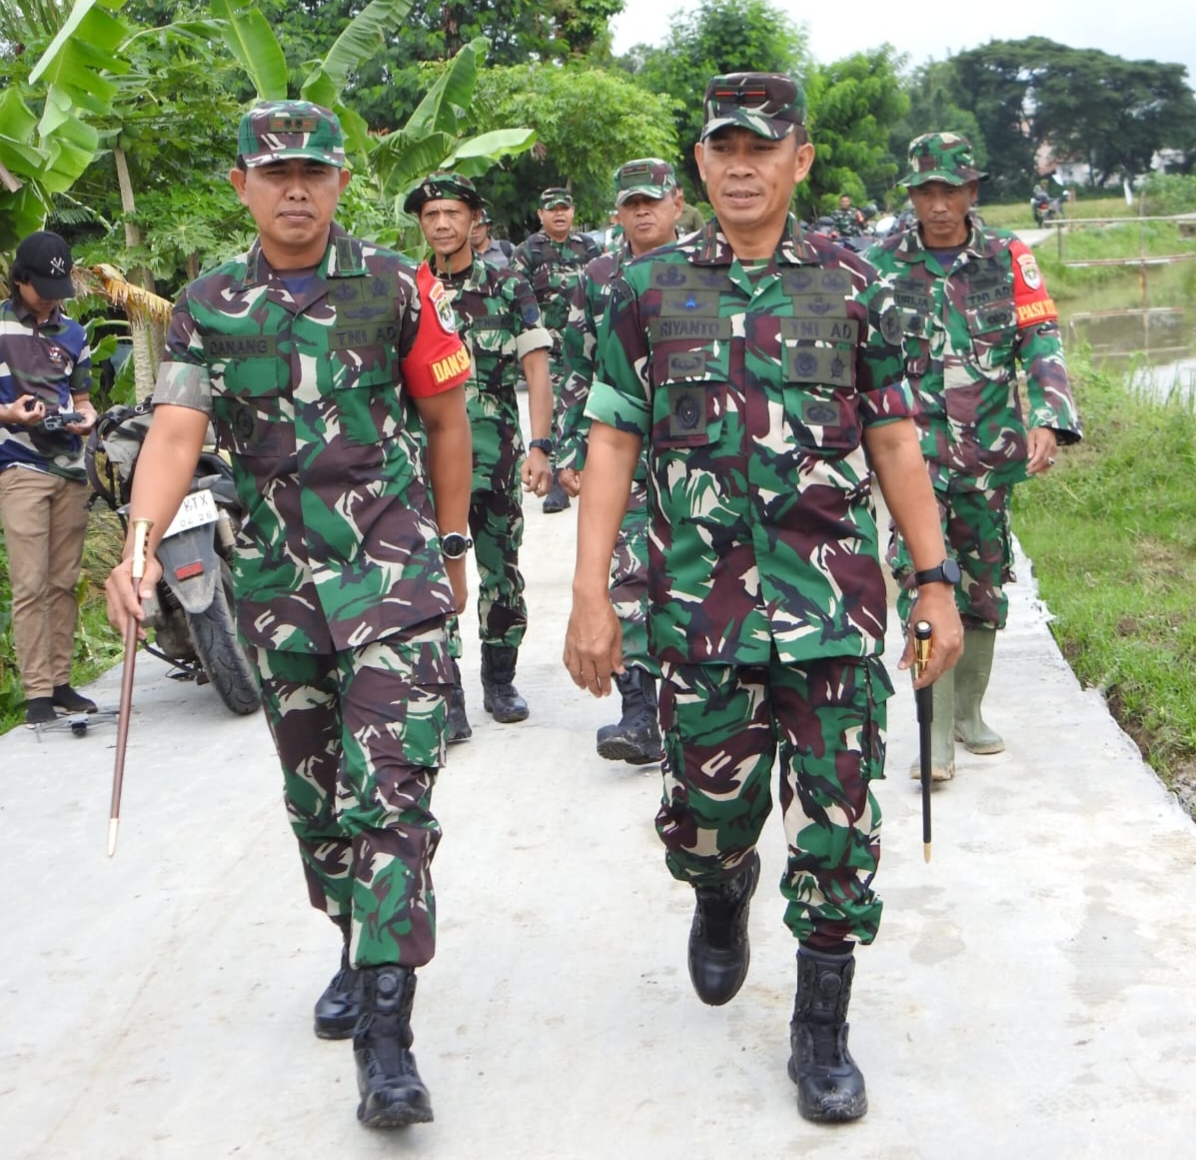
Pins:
x: 924, y: 699
x: 141, y: 530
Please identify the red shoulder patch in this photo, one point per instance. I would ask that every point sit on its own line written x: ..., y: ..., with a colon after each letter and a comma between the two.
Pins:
x: 1030, y: 297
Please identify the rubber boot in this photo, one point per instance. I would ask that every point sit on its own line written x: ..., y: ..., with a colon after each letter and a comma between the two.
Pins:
x: 392, y: 1094
x: 830, y: 1088
x: 636, y: 738
x: 719, y: 950
x: 971, y: 682
x: 557, y: 498
x: 500, y: 698
x: 338, y: 1007
x: 458, y: 723
x: 942, y: 732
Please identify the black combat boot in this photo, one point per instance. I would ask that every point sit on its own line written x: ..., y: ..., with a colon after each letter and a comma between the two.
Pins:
x: 719, y: 951
x: 500, y: 698
x: 830, y: 1088
x: 458, y: 723
x: 392, y: 1094
x: 340, y: 1004
x: 636, y: 738
x: 557, y: 498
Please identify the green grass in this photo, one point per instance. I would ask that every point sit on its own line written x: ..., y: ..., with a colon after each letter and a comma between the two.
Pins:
x: 1113, y: 540
x: 97, y: 646
x: 1019, y: 216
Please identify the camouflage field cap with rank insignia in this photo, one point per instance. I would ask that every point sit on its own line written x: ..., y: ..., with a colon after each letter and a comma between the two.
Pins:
x: 647, y: 176
x: 942, y: 157
x: 445, y: 185
x: 276, y: 130
x: 555, y: 196
x: 769, y: 104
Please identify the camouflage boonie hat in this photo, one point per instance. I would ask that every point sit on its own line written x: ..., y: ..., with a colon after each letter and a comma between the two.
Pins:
x: 769, y: 104
x: 942, y: 157
x: 442, y: 184
x: 647, y: 176
x: 555, y: 195
x: 276, y: 130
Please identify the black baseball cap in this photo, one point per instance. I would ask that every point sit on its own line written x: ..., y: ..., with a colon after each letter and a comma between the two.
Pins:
x: 43, y: 259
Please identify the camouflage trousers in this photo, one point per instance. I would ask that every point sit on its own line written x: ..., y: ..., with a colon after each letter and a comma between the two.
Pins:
x: 496, y: 528
x: 629, y: 579
x: 360, y: 735
x: 977, y: 531
x: 723, y: 726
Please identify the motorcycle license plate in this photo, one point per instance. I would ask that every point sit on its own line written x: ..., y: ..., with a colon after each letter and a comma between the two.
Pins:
x: 198, y: 508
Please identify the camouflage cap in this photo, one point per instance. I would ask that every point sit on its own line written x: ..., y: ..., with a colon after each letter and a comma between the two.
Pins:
x: 443, y: 184
x: 769, y: 104
x: 276, y: 130
x: 555, y: 195
x: 942, y: 157
x: 647, y: 177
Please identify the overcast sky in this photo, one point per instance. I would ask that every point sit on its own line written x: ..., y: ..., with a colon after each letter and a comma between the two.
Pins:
x: 1163, y: 30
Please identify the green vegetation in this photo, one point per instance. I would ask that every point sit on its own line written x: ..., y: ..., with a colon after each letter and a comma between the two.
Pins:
x: 1113, y: 540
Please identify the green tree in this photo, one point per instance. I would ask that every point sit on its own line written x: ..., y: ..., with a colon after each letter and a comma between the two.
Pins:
x: 587, y: 120
x: 722, y: 36
x: 853, y: 104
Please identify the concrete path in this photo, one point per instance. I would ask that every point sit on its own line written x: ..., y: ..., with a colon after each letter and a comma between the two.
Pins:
x: 1030, y: 994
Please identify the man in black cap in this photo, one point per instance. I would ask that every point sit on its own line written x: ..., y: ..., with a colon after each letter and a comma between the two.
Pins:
x: 552, y: 260
x: 499, y: 319
x: 495, y: 251
x: 45, y: 370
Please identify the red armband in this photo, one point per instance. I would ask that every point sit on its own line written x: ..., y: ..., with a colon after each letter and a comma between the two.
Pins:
x: 438, y: 360
x: 1030, y: 297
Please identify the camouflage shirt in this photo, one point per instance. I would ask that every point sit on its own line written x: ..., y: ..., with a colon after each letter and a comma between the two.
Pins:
x: 586, y: 309
x: 964, y: 330
x: 499, y: 321
x: 308, y: 387
x: 752, y: 390
x: 52, y: 363
x: 553, y: 269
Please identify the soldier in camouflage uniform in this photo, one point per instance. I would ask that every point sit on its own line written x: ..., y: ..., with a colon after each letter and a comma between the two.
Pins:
x: 972, y: 305
x: 647, y: 205
x: 500, y: 321
x: 312, y: 354
x: 849, y: 221
x: 751, y: 362
x: 552, y: 260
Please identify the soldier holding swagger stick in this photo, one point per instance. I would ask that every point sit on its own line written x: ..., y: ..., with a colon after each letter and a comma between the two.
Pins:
x: 753, y: 363
x: 304, y: 353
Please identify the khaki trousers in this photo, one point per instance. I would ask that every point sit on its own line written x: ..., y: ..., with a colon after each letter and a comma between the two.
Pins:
x: 45, y: 519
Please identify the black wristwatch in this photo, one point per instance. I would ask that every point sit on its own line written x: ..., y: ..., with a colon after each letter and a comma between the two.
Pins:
x: 453, y: 545
x: 545, y: 445
x: 946, y: 573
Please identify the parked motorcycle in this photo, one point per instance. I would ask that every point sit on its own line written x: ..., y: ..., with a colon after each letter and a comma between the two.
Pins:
x: 192, y: 610
x: 1046, y: 208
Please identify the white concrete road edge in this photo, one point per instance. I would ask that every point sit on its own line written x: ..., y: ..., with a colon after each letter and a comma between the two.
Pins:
x: 1030, y: 993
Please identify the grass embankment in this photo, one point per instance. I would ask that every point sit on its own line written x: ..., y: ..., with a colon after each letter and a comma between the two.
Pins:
x: 1019, y: 216
x: 97, y: 646
x: 1113, y: 539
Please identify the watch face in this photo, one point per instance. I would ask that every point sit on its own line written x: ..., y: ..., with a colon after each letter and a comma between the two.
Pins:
x: 453, y: 545
x: 951, y: 572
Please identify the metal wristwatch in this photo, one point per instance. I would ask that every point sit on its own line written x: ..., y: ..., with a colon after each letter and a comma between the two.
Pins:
x: 545, y: 445
x: 453, y: 545
x: 946, y: 573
